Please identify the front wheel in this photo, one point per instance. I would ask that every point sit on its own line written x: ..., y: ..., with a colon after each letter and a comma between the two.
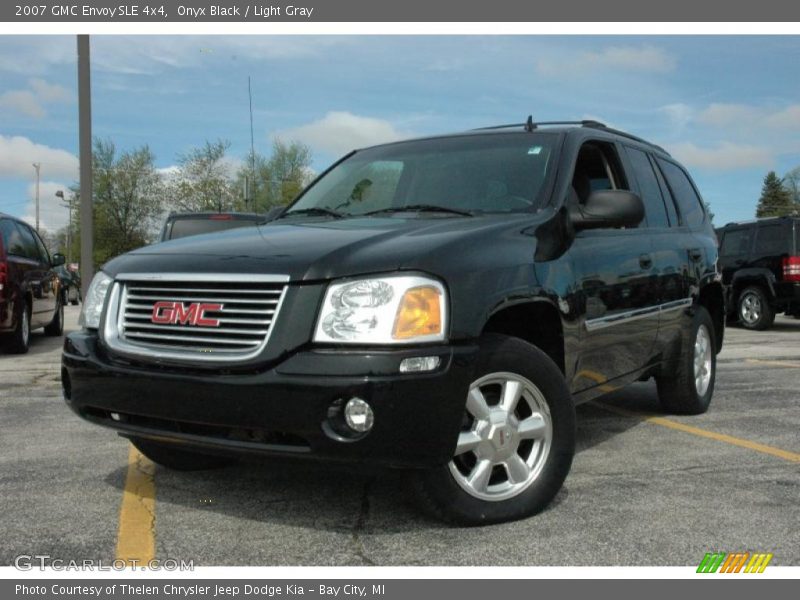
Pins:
x: 516, y: 443
x: 56, y: 327
x: 173, y: 456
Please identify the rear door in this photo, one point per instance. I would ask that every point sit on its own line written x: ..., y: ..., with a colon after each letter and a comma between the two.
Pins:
x: 37, y: 278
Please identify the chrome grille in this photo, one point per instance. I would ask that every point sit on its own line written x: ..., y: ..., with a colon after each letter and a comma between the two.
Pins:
x: 219, y: 317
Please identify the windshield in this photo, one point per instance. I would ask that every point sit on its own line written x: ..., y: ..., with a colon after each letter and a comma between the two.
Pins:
x: 492, y: 173
x: 186, y: 227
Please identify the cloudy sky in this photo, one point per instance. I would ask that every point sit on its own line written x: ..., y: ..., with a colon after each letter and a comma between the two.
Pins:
x: 728, y: 107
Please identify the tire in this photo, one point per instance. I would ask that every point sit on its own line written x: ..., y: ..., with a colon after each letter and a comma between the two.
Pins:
x: 540, y: 453
x: 687, y: 390
x: 174, y: 457
x: 754, y: 310
x: 56, y: 327
x: 20, y: 340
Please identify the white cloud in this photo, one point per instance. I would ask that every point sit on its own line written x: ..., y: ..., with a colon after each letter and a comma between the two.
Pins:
x: 746, y: 116
x: 338, y: 132
x: 52, y: 216
x: 646, y: 59
x: 679, y: 114
x: 50, y: 92
x: 17, y: 155
x: 725, y: 156
x: 31, y: 102
x: 23, y: 102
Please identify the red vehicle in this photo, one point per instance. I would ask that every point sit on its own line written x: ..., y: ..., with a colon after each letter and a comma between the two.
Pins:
x: 30, y: 291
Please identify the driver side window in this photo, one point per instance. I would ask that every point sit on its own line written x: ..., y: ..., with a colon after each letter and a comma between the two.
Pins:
x: 596, y: 168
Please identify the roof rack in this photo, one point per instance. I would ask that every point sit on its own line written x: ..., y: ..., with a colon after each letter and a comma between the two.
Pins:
x: 531, y: 125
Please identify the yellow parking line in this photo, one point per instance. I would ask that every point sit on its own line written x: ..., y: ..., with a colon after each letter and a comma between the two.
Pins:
x: 720, y: 437
x: 136, y: 543
x: 775, y: 363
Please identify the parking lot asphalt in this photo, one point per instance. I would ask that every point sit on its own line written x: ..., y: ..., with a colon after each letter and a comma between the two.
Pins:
x: 645, y: 488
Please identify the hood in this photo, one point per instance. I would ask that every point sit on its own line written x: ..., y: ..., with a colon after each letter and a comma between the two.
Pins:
x: 315, y: 249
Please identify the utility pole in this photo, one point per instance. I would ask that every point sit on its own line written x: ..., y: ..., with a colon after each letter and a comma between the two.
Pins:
x: 85, y: 143
x: 67, y: 204
x: 37, y: 166
x: 251, y: 188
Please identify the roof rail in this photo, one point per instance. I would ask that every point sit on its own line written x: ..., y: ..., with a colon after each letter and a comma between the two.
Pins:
x: 531, y: 125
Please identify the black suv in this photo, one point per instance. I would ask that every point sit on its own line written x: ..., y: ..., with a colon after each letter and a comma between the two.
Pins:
x: 440, y: 304
x: 760, y: 264
x: 30, y: 295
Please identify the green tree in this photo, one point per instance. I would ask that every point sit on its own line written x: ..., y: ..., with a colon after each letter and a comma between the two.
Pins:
x: 128, y: 200
x: 791, y: 182
x: 279, y: 178
x: 203, y: 180
x: 776, y: 200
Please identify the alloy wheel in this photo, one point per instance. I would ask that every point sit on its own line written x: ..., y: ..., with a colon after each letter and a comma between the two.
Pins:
x: 702, y: 360
x: 750, y: 310
x: 505, y: 439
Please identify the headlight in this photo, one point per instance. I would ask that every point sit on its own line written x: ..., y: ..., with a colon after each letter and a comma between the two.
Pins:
x: 383, y: 310
x: 94, y: 301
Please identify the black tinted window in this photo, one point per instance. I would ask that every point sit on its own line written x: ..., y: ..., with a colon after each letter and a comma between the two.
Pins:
x: 28, y: 242
x: 736, y: 241
x: 13, y: 240
x: 773, y: 239
x: 648, y: 188
x: 44, y: 255
x: 186, y: 227
x: 689, y: 202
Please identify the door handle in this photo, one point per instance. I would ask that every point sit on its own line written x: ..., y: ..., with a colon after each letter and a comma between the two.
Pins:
x: 645, y: 261
x: 695, y: 254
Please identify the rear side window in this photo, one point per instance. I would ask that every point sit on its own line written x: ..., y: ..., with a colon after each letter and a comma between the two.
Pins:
x: 28, y: 242
x: 736, y: 242
x: 649, y: 188
x: 689, y: 203
x: 772, y: 239
x: 12, y: 238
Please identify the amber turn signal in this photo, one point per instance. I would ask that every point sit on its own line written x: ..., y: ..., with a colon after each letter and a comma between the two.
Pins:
x: 419, y: 314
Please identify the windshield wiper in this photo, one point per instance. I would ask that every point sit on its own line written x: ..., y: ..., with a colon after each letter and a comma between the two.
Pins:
x: 420, y: 208
x: 313, y: 211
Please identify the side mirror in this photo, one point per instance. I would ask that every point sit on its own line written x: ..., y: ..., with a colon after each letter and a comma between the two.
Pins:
x: 58, y: 259
x: 605, y: 209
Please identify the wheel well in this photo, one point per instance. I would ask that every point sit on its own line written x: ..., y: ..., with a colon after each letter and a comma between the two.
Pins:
x: 712, y: 299
x: 740, y: 284
x: 538, y: 323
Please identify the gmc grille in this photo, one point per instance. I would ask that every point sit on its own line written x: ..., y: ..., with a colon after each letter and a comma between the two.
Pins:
x: 223, y: 318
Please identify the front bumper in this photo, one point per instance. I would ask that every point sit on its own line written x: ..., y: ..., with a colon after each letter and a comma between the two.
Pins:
x: 282, y: 410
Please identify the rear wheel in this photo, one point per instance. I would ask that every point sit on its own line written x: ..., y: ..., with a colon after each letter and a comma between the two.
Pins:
x: 20, y: 340
x: 175, y: 457
x: 754, y: 309
x: 516, y: 443
x: 689, y: 387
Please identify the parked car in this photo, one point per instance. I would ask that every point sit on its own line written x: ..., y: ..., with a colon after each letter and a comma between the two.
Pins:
x: 760, y: 263
x: 30, y: 295
x: 180, y: 225
x: 70, y: 285
x: 439, y: 304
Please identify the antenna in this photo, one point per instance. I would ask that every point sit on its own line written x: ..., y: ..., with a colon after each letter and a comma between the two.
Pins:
x: 529, y: 124
x: 252, y: 188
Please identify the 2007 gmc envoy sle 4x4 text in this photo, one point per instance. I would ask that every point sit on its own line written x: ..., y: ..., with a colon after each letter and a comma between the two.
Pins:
x: 438, y: 304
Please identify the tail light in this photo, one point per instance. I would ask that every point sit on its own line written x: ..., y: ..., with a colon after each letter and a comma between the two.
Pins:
x: 3, y: 275
x: 791, y: 268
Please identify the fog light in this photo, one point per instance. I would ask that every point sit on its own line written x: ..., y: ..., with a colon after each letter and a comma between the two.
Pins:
x: 114, y: 416
x: 358, y: 415
x: 419, y: 364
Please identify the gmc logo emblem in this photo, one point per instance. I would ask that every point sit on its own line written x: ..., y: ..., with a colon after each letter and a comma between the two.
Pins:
x: 173, y: 313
